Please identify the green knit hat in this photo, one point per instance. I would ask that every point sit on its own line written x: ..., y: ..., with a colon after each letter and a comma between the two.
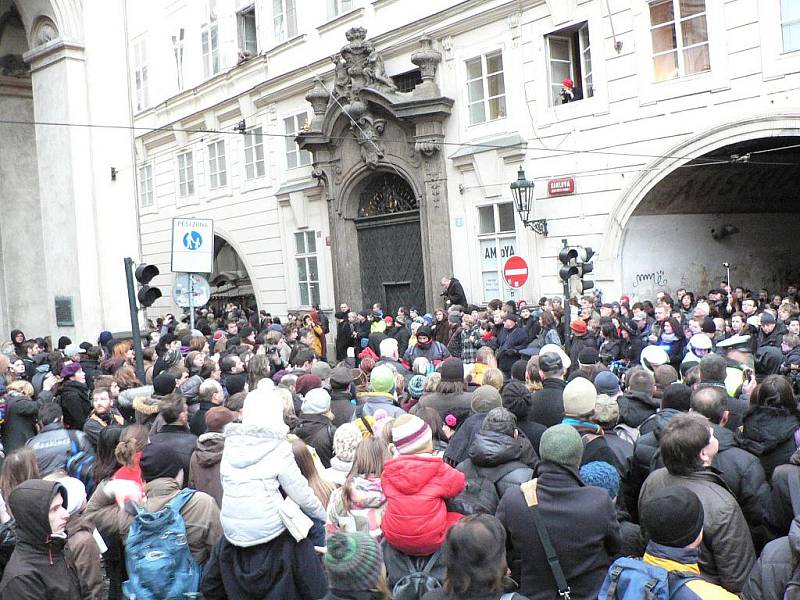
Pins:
x: 354, y: 562
x: 561, y: 444
x: 382, y: 379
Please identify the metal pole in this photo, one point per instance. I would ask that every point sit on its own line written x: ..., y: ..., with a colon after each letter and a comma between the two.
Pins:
x: 137, y: 338
x: 567, y: 308
x: 191, y: 300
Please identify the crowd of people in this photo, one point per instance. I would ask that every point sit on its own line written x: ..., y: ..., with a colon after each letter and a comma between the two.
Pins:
x: 467, y: 453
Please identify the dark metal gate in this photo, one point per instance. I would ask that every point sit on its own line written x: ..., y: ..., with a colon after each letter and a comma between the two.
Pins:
x: 390, y: 244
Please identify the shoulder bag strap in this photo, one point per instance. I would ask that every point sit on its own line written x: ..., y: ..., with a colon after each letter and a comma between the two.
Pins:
x: 73, y: 442
x: 432, y: 561
x: 529, y: 491
x: 794, y: 490
x: 179, y: 500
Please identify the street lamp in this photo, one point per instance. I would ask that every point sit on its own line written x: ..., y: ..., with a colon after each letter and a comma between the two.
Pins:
x: 522, y: 191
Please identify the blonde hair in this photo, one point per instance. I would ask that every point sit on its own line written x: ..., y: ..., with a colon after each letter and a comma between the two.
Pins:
x: 133, y: 439
x: 431, y: 381
x: 494, y: 377
x: 21, y: 387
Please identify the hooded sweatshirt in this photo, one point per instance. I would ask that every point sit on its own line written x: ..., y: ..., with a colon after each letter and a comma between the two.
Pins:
x: 38, y: 567
x: 204, y: 465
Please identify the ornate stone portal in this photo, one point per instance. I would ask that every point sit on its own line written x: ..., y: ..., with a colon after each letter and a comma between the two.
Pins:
x: 371, y: 142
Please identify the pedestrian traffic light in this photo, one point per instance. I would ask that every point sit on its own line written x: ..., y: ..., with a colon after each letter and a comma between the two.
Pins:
x: 575, y: 265
x: 584, y: 268
x: 568, y: 257
x: 147, y: 294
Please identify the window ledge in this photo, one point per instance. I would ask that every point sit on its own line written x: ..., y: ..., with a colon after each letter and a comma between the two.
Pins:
x: 378, y: 4
x: 347, y: 17
x: 148, y: 210
x: 192, y: 200
x: 290, y: 43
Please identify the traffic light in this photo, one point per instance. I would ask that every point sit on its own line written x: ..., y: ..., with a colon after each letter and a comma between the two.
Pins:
x: 575, y: 265
x: 147, y: 294
x: 584, y: 267
x: 568, y: 257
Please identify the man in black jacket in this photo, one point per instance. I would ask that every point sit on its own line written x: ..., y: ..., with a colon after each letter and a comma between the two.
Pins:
x: 637, y: 403
x: 211, y: 395
x: 75, y: 400
x: 580, y: 520
x: 548, y: 403
x: 175, y: 434
x: 454, y: 292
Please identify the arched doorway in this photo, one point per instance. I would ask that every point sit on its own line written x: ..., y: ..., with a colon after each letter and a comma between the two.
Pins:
x: 389, y: 243
x: 229, y: 281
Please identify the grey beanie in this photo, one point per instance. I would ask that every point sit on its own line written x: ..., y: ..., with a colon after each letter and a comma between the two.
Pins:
x: 500, y: 420
x: 561, y: 444
x: 485, y: 398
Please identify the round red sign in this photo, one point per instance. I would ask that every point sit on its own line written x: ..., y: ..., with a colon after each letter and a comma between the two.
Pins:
x: 515, y: 271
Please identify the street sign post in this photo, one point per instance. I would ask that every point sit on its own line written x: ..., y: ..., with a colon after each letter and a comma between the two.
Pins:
x: 192, y: 245
x: 190, y: 289
x: 515, y: 271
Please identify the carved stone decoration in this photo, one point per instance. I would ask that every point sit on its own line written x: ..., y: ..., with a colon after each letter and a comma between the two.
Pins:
x: 359, y: 65
x: 44, y: 30
x: 388, y: 194
x: 318, y: 97
x: 427, y: 59
x: 367, y: 130
x: 12, y: 65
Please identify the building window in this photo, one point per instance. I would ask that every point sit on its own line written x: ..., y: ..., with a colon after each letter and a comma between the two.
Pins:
x: 486, y: 90
x: 140, y: 73
x: 177, y: 49
x: 569, y: 57
x: 497, y: 242
x: 294, y: 156
x: 185, y: 175
x: 790, y: 24
x: 406, y: 82
x: 284, y: 19
x: 254, y: 154
x: 210, y: 42
x: 248, y: 40
x: 307, y: 271
x: 217, y: 176
x: 146, y: 186
x: 680, y: 38
x: 339, y: 7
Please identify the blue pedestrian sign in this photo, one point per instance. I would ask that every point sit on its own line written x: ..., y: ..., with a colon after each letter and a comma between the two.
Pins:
x: 192, y: 245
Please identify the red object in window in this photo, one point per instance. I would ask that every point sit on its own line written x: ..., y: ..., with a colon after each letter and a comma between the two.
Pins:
x: 563, y: 186
x: 568, y: 84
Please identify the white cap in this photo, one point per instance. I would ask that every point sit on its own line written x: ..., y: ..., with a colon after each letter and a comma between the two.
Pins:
x: 557, y: 349
x: 700, y: 341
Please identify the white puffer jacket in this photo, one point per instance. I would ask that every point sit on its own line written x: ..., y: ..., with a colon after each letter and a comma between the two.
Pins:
x: 256, y: 461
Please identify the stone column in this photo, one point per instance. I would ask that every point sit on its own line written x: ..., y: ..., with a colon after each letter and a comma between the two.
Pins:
x: 69, y: 261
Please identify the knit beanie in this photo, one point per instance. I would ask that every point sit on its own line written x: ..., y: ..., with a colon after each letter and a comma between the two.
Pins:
x: 217, y: 417
x: 411, y: 435
x: 321, y: 369
x: 160, y: 461
x: 606, y: 411
x: 416, y: 386
x: 516, y: 398
x: 579, y: 396
x: 264, y: 409
x: 70, y: 369
x: 452, y: 370
x: 235, y: 383
x: 307, y: 382
x: 485, y: 398
x: 607, y: 383
x: 354, y: 562
x: 678, y: 396
x: 316, y: 402
x: 381, y: 379
x: 561, y: 444
x: 519, y: 369
x: 588, y: 356
x: 163, y: 384
x: 601, y: 474
x: 345, y: 442
x: 672, y: 516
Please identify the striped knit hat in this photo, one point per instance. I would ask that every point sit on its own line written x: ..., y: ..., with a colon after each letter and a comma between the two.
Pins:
x: 411, y: 435
x: 354, y: 562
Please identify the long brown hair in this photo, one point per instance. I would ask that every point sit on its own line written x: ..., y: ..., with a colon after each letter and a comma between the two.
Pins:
x: 20, y: 465
x: 126, y: 378
x: 302, y: 456
x: 133, y: 439
x: 371, y: 453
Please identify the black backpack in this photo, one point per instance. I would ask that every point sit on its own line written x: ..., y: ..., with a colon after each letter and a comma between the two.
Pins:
x: 480, y: 492
x: 418, y: 582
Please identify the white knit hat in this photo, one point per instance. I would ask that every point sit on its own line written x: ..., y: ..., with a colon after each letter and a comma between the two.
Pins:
x: 316, y: 402
x: 345, y: 442
x: 263, y: 408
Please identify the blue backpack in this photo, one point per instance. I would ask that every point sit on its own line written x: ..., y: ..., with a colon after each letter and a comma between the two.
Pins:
x: 631, y: 579
x: 160, y: 565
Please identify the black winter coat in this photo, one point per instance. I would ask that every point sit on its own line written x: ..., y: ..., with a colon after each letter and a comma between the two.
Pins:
x: 317, y: 431
x: 635, y: 407
x: 198, y: 423
x: 181, y: 440
x: 20, y: 425
x: 768, y: 433
x: 774, y: 568
x: 75, y: 403
x: 455, y: 294
x: 491, y: 450
x: 780, y: 512
x: 344, y: 339
x: 576, y: 345
x: 38, y: 567
x: 548, y: 403
x: 402, y: 335
x: 583, y: 527
x: 342, y: 407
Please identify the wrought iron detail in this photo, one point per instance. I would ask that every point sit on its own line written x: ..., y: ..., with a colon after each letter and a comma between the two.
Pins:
x: 539, y: 226
x: 386, y: 194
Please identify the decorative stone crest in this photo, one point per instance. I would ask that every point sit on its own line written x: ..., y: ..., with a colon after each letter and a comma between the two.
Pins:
x: 359, y: 65
x: 44, y: 30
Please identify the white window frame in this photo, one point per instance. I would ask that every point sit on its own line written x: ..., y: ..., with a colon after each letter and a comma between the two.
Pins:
x: 140, y: 74
x: 337, y: 8
x: 184, y: 162
x: 209, y: 46
x: 303, y: 254
x: 496, y: 237
x: 784, y: 24
x: 243, y: 17
x: 584, y: 49
x: 177, y: 50
x: 677, y: 22
x: 146, y: 185
x: 284, y: 19
x: 253, y: 144
x: 484, y: 78
x: 217, y: 169
x: 295, y: 157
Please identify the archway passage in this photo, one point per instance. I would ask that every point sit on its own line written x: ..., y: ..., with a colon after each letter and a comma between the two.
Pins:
x: 390, y: 243
x: 743, y: 212
x: 229, y: 280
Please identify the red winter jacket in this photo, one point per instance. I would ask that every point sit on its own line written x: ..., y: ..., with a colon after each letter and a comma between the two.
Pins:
x: 416, y: 519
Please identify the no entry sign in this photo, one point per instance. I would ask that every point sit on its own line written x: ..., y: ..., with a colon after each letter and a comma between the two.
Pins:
x: 515, y: 271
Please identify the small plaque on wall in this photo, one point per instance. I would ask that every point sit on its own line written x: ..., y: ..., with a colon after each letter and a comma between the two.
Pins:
x: 64, y: 314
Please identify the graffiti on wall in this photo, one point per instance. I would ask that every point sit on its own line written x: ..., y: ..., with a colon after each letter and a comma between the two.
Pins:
x: 651, y: 279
